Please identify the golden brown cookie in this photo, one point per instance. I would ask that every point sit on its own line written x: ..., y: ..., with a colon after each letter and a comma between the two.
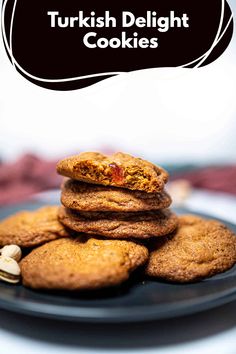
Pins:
x: 81, y: 264
x: 32, y: 228
x: 120, y: 225
x: 93, y: 197
x: 198, y: 249
x: 118, y: 170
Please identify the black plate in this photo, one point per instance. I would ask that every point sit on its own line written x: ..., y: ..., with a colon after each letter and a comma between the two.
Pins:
x: 144, y: 300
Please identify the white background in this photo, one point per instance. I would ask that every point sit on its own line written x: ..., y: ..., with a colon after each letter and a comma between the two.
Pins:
x: 170, y: 115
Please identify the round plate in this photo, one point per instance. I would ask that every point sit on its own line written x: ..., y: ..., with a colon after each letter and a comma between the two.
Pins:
x: 136, y: 300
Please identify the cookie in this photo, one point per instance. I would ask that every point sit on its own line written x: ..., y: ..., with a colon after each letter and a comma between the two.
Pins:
x: 32, y: 228
x: 120, y: 225
x: 93, y: 197
x: 118, y: 170
x: 81, y: 264
x: 198, y: 249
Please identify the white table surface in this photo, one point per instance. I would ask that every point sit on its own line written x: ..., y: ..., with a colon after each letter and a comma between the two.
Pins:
x: 212, y: 331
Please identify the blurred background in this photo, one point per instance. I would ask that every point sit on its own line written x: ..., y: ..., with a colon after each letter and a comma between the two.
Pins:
x: 184, y: 119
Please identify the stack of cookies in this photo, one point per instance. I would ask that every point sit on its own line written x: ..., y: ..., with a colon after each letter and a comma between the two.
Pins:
x: 117, y: 196
x: 110, y: 206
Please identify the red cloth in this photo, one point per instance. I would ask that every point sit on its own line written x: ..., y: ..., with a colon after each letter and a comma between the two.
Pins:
x: 26, y: 176
x: 221, y: 179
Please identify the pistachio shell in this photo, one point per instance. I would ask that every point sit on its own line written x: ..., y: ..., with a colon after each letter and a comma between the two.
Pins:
x: 9, y: 266
x: 12, y: 251
x: 9, y: 280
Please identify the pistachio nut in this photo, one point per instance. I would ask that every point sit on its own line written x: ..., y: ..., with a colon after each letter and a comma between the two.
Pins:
x: 9, y: 270
x: 12, y: 251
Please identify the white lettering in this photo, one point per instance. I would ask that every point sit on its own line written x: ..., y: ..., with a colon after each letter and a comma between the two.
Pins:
x: 86, y: 37
x: 53, y: 15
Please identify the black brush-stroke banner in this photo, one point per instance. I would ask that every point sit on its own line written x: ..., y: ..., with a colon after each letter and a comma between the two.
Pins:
x: 42, y: 52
